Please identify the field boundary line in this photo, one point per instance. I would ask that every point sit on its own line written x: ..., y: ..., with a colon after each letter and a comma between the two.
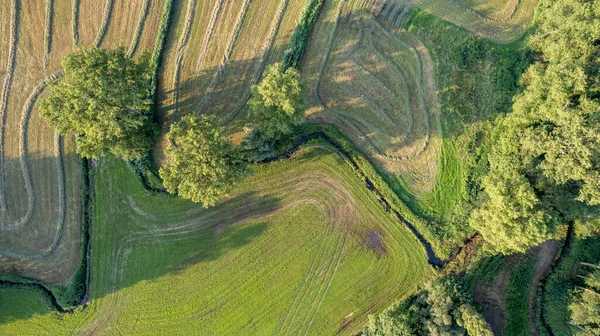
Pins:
x: 212, y: 23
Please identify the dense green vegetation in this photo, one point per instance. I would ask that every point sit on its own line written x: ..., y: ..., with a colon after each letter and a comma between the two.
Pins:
x: 201, y: 165
x: 476, y: 80
x: 277, y: 107
x: 441, y: 308
x: 585, y: 306
x: 104, y: 100
x: 544, y: 167
x: 292, y: 58
x: 516, y: 303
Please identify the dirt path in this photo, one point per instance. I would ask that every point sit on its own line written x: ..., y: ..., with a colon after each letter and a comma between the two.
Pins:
x: 492, y: 296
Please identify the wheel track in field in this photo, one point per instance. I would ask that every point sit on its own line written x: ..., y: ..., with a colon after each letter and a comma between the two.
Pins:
x: 228, y: 52
x: 182, y: 230
x: 25, y: 117
x: 425, y: 78
x: 31, y: 199
x: 11, y: 63
x: 139, y: 28
x: 212, y: 23
x: 181, y: 48
x: 260, y: 64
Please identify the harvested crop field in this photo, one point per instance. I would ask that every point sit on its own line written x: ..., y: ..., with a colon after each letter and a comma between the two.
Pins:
x: 216, y: 50
x: 377, y: 86
x: 161, y: 264
x: 40, y: 174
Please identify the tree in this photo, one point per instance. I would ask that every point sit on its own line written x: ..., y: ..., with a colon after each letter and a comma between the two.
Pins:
x: 441, y: 308
x: 103, y: 98
x: 200, y: 164
x: 545, y: 166
x: 277, y: 103
x: 585, y: 306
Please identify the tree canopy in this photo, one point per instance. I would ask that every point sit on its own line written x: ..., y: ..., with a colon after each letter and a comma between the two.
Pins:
x: 277, y: 102
x: 104, y: 100
x: 585, y: 306
x: 441, y: 308
x: 201, y: 165
x: 545, y: 166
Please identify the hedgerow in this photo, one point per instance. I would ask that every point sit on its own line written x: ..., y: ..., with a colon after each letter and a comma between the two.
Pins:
x: 292, y: 57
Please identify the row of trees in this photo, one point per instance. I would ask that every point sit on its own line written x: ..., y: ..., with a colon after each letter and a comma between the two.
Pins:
x: 104, y: 99
x: 545, y: 165
x: 441, y: 308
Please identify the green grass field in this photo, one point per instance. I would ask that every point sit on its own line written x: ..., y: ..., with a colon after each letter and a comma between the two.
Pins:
x: 303, y: 247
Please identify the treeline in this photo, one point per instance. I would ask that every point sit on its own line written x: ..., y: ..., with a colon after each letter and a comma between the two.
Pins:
x: 441, y: 308
x: 544, y: 168
x: 292, y: 56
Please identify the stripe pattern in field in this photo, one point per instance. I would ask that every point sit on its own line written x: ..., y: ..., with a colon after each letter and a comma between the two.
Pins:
x: 40, y: 175
x: 278, y: 257
x: 376, y: 84
x: 219, y: 49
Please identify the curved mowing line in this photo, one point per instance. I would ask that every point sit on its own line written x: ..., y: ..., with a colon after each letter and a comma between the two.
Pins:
x: 426, y: 104
x: 260, y: 65
x: 189, y: 19
x: 27, y: 108
x: 12, y: 60
x: 48, y: 32
x: 75, y: 21
x: 105, y: 22
x: 225, y: 61
x: 209, y: 33
x: 139, y: 28
x: 178, y: 231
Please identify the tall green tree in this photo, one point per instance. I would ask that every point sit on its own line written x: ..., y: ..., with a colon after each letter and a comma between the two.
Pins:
x: 277, y: 103
x: 585, y: 306
x: 103, y: 98
x: 545, y: 167
x: 201, y: 165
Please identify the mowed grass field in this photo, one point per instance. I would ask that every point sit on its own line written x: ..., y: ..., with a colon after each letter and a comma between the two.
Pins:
x: 377, y: 86
x: 40, y: 175
x: 303, y: 247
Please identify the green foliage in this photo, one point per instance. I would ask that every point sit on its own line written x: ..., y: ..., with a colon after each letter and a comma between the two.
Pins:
x: 292, y: 57
x: 516, y: 303
x: 585, y: 306
x: 545, y: 167
x: 201, y: 165
x: 103, y: 99
x: 277, y: 103
x: 441, y: 308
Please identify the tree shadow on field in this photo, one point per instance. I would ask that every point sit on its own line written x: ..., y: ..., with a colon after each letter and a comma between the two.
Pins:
x: 231, y: 89
x: 201, y: 236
